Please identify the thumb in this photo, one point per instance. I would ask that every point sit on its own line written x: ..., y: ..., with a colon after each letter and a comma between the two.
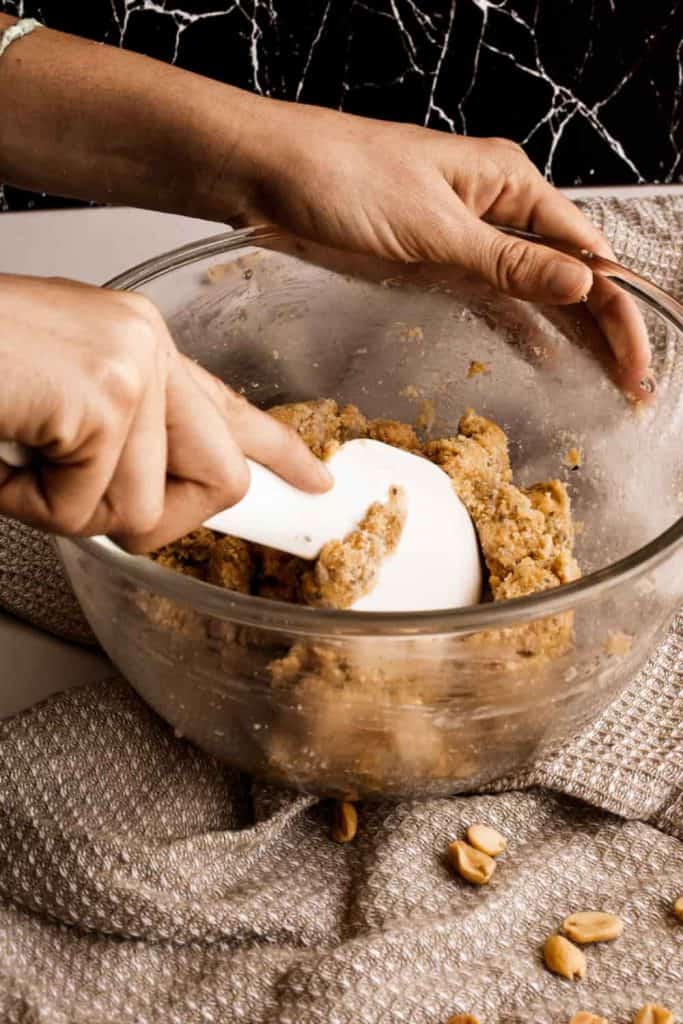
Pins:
x: 524, y: 269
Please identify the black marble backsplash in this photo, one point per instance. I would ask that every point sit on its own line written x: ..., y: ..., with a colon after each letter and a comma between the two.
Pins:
x: 593, y: 89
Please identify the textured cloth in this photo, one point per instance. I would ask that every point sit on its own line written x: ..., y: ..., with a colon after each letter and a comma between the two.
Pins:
x: 33, y: 585
x: 140, y: 881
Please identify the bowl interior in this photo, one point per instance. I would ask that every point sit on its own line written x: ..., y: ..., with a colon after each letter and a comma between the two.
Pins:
x: 282, y: 321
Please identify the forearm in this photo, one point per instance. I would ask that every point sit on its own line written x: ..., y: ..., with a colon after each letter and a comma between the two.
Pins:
x: 88, y: 121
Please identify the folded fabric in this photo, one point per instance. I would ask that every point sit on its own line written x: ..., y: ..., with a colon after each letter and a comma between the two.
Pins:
x: 140, y: 881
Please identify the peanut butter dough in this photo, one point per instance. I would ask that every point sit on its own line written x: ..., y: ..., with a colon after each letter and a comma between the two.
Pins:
x: 526, y: 536
x: 346, y: 570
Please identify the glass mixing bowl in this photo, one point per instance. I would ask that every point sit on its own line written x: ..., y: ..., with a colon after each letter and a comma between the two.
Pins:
x: 353, y: 704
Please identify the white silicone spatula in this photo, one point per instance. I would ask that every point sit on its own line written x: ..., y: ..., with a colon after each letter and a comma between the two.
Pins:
x: 436, y: 563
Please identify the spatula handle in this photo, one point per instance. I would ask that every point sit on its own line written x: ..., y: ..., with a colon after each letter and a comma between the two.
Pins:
x: 277, y: 515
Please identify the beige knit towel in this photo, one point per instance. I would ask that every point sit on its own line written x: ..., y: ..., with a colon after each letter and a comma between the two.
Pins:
x: 141, y: 882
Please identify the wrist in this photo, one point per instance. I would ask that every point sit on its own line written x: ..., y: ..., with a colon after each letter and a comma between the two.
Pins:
x: 257, y: 153
x: 228, y: 139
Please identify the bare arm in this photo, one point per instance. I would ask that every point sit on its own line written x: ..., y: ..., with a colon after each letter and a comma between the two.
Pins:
x: 88, y: 121
x: 92, y: 121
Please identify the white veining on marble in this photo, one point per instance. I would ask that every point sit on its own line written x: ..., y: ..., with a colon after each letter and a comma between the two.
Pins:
x: 428, y: 37
x: 448, y: 54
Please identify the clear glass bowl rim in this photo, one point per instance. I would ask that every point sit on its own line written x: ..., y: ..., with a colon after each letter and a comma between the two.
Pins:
x: 301, y: 620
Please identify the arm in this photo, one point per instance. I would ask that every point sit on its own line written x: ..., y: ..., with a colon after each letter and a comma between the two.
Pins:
x: 86, y: 120
x: 93, y: 122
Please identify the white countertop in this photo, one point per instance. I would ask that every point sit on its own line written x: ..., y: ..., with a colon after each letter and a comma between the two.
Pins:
x: 91, y: 245
x: 94, y: 245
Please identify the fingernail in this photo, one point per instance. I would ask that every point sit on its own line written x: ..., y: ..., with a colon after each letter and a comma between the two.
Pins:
x: 566, y: 279
x: 648, y: 384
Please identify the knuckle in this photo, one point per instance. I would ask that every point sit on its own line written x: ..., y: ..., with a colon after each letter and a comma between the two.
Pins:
x: 506, y: 147
x: 513, y: 263
x: 511, y: 160
x: 238, y: 405
x: 139, y: 307
x: 517, y: 151
x: 135, y: 334
x: 141, y: 517
x: 71, y: 520
x: 234, y: 484
x: 120, y: 377
x: 56, y: 279
x: 138, y: 327
x: 124, y: 367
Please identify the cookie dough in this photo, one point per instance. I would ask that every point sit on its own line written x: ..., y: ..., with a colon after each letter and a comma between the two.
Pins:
x: 526, y: 535
x: 346, y: 569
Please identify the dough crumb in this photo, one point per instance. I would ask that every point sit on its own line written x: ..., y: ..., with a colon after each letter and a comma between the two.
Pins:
x: 476, y: 368
x: 352, y: 424
x: 217, y: 272
x: 426, y: 418
x: 618, y: 644
x: 231, y: 565
x: 410, y: 392
x: 526, y: 537
x: 190, y: 555
x: 398, y: 435
x: 317, y: 423
x: 573, y: 458
x: 412, y: 334
x: 278, y: 575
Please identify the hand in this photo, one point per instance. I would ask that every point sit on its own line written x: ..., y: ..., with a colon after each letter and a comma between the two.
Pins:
x: 153, y: 135
x: 407, y: 193
x: 133, y: 439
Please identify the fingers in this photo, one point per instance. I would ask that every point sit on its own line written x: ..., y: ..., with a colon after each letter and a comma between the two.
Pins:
x: 264, y: 439
x: 499, y: 183
x: 616, y: 312
x: 622, y: 324
x: 135, y: 498
x: 91, y: 408
x: 60, y: 498
x: 547, y: 212
x: 278, y: 447
x: 530, y: 271
x: 63, y: 491
x: 517, y: 267
x: 515, y: 194
x: 554, y: 215
x: 210, y: 430
x: 125, y: 440
x: 206, y: 469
